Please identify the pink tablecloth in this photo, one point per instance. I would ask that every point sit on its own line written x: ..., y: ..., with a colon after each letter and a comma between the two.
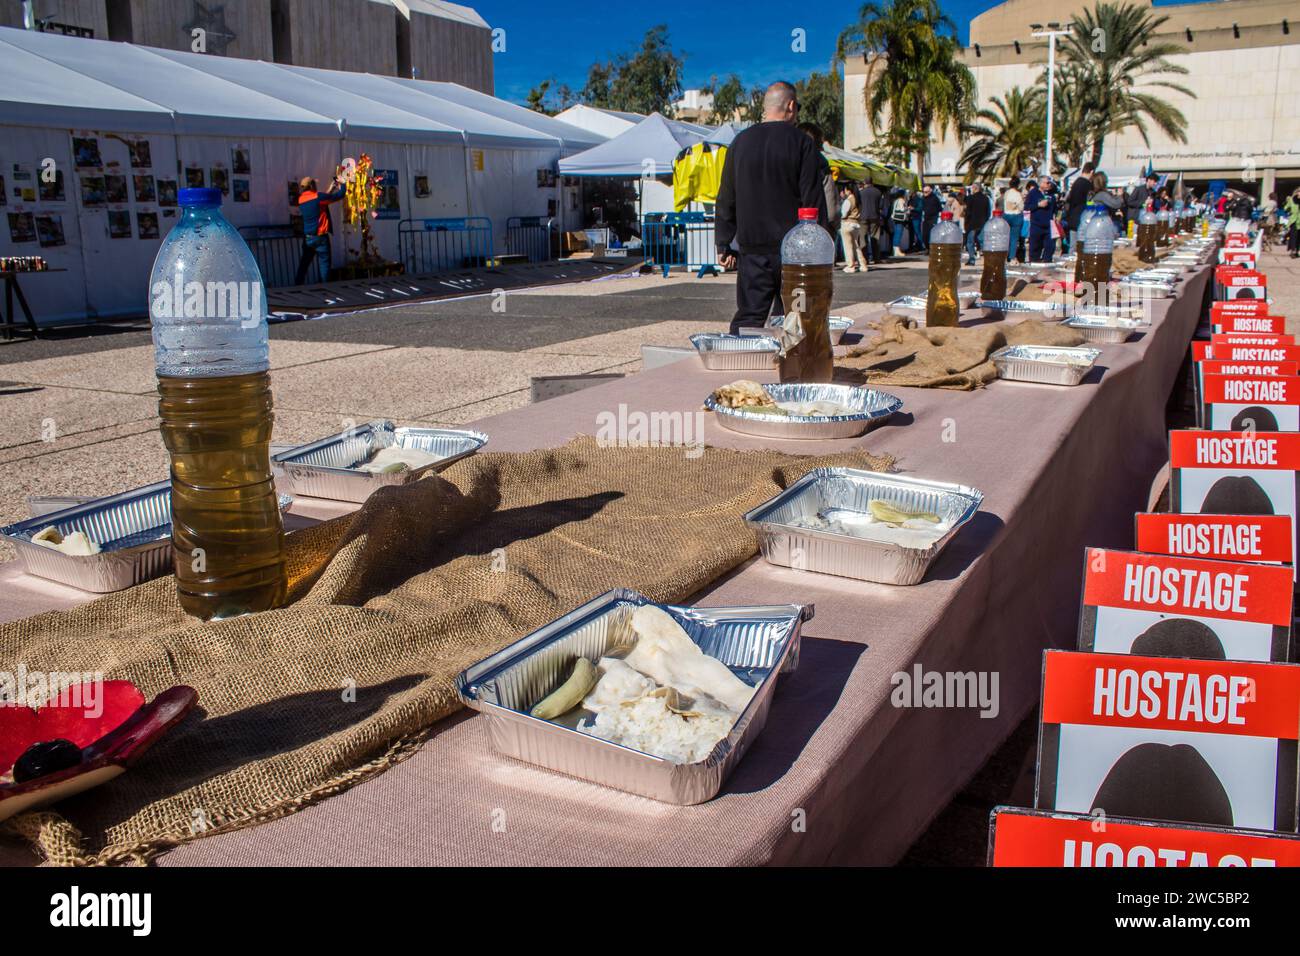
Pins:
x: 839, y: 775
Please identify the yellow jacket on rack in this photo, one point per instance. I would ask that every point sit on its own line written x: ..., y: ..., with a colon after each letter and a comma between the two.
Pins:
x: 697, y: 174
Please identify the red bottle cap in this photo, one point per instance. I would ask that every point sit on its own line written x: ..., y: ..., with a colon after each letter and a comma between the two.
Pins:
x: 945, y: 215
x: 807, y: 213
x: 997, y: 212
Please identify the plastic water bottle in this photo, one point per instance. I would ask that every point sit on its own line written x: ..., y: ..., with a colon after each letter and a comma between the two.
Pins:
x: 1097, y: 240
x: 941, y: 305
x: 1178, y: 216
x: 1164, y: 226
x: 995, y: 242
x: 807, y: 274
x: 1085, y: 217
x: 208, y: 309
x: 1146, y: 234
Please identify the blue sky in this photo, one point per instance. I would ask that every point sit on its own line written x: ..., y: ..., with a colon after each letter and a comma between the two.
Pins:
x: 749, y: 37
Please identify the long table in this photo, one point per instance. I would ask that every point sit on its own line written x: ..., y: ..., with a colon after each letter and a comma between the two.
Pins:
x: 840, y: 774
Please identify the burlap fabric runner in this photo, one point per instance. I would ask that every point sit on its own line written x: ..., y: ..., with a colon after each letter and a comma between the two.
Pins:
x: 388, y: 605
x: 956, y: 358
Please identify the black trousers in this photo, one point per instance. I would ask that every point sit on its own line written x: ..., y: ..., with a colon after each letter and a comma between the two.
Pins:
x: 758, y: 285
x: 317, y: 248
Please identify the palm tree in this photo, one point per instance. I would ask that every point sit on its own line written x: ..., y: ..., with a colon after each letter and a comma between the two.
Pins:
x: 1005, y: 138
x: 1119, y: 68
x: 1075, y: 116
x: 913, y: 72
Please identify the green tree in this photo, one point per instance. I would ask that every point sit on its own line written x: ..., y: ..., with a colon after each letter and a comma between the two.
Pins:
x: 896, y: 146
x: 730, y: 98
x: 1005, y: 137
x: 821, y: 101
x: 546, y: 97
x: 915, y: 80
x: 1120, y: 68
x: 646, y: 80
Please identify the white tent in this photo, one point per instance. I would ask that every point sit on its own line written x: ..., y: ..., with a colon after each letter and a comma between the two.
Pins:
x: 607, y: 123
x: 125, y: 126
x: 643, y: 152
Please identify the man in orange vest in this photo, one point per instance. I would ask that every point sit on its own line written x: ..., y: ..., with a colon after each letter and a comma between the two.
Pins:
x: 315, y: 226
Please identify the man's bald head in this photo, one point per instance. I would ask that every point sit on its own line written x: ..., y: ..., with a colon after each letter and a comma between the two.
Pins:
x: 779, y: 102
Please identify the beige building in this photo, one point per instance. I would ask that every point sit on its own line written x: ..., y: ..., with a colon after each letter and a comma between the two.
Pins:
x: 1243, y: 62
x: 425, y: 39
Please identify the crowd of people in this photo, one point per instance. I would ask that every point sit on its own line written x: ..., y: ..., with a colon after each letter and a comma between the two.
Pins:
x: 876, y: 223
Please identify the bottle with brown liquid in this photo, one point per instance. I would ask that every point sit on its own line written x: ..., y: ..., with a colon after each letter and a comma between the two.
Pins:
x: 994, y: 243
x: 1163, y: 228
x: 1146, y: 235
x: 1097, y: 247
x: 941, y: 303
x: 807, y: 277
x: 208, y: 310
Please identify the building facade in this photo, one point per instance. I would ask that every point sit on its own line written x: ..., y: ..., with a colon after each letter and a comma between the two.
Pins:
x: 1243, y: 63
x: 424, y: 39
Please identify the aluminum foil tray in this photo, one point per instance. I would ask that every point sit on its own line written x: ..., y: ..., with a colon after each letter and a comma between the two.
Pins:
x: 328, y: 468
x: 1102, y: 329
x: 913, y: 306
x: 735, y: 353
x: 757, y: 643
x: 844, y: 493
x: 872, y: 406
x: 133, y: 530
x: 1044, y: 364
x: 1017, y: 305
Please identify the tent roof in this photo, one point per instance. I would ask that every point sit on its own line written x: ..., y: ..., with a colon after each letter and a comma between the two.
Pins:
x: 37, y: 92
x: 200, y: 103
x: 654, y: 138
x: 358, y: 115
x: 447, y: 11
x: 570, y: 136
x: 724, y: 134
x: 479, y: 129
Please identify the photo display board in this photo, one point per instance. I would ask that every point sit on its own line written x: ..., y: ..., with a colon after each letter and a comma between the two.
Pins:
x: 1263, y: 539
x: 1157, y: 605
x: 1039, y: 838
x: 1158, y: 738
x: 1262, y: 403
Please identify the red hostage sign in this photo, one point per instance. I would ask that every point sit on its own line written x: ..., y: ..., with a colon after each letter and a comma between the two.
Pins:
x: 1250, y: 324
x: 1167, y: 606
x: 1247, y: 351
x: 1233, y: 473
x: 1162, y: 738
x: 1250, y: 403
x: 1036, y: 838
x: 1266, y: 539
x: 1282, y: 369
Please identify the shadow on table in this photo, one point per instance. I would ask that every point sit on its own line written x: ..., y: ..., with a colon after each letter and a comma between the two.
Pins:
x: 801, y: 702
x: 974, y: 538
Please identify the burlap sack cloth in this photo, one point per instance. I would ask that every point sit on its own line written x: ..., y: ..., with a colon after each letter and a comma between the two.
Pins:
x: 388, y: 605
x: 956, y: 358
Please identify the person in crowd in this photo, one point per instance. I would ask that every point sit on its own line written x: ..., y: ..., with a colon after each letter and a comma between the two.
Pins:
x: 916, y: 215
x: 932, y: 204
x: 771, y: 171
x: 1268, y: 211
x: 885, y: 226
x: 1042, y: 205
x: 957, y: 206
x: 1075, y: 201
x: 1137, y: 199
x: 316, y: 226
x: 1292, y: 207
x: 978, y: 211
x: 851, y: 229
x: 1013, y: 211
x: 869, y: 200
x: 898, y: 216
x: 1163, y: 199
x: 1100, y: 193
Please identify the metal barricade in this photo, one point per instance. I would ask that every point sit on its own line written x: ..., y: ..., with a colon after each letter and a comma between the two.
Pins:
x: 277, y: 250
x: 444, y: 245
x: 532, y: 236
x: 682, y: 239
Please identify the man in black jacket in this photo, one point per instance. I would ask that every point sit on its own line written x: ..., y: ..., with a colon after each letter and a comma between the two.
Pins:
x: 772, y: 170
x: 869, y: 199
x: 1076, y: 200
x: 978, y: 211
x: 1137, y: 199
x: 931, y: 206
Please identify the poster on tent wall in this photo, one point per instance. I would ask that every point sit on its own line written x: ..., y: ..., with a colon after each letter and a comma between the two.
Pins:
x: 120, y: 214
x: 39, y: 217
x: 443, y: 170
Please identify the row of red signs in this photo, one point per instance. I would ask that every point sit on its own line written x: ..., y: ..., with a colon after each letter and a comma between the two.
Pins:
x: 1179, y: 705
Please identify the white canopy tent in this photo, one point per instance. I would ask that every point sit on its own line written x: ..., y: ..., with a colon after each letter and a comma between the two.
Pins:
x: 126, y: 126
x: 643, y: 152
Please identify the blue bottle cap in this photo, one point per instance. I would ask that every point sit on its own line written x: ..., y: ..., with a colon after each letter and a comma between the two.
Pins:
x: 200, y: 197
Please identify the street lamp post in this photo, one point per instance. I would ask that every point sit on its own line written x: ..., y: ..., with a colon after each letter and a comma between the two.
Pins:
x: 1052, y: 31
